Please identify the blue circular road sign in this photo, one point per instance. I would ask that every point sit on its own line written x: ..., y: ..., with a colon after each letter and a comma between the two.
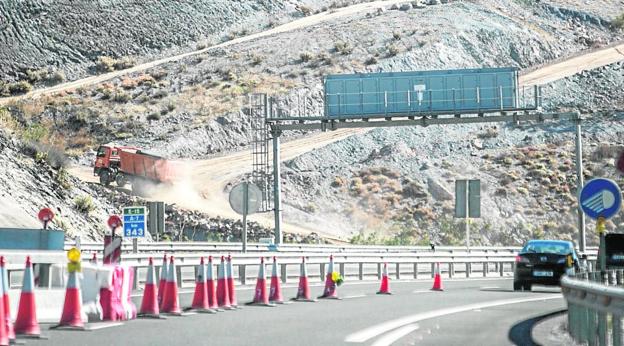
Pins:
x: 600, y: 198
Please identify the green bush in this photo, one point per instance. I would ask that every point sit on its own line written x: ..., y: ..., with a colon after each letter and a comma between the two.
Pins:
x: 371, y: 61
x: 305, y: 56
x: 343, y: 48
x: 84, y: 204
x: 35, y: 133
x: 20, y: 87
x: 618, y: 22
x: 392, y: 50
x: 62, y: 178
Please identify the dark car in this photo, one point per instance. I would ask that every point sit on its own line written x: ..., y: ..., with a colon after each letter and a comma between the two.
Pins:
x: 543, y: 262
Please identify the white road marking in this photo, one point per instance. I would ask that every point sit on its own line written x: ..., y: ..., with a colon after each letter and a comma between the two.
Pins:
x: 355, y: 296
x: 424, y: 291
x: 389, y: 338
x: 490, y: 288
x: 98, y: 326
x: 376, y: 330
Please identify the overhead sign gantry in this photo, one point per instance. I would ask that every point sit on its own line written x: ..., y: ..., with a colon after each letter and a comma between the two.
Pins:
x: 421, y: 98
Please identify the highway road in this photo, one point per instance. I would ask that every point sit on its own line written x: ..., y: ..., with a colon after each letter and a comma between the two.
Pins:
x: 468, y: 312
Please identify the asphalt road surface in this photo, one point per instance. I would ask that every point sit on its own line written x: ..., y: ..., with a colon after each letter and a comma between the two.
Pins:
x: 467, y: 312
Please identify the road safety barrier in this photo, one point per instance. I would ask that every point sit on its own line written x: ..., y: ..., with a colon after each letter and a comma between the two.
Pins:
x: 214, y: 247
x: 595, y: 307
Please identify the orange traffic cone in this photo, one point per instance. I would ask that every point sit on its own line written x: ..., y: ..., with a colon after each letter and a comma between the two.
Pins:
x: 330, y: 286
x: 211, y: 287
x: 162, y: 283
x: 385, y: 281
x: 72, y: 307
x: 26, y: 322
x: 276, y: 288
x: 5, y: 299
x: 230, y: 283
x: 437, y: 279
x: 200, y: 298
x: 223, y: 298
x: 171, y: 302
x: 4, y: 336
x: 303, y: 292
x: 260, y: 297
x: 149, y: 304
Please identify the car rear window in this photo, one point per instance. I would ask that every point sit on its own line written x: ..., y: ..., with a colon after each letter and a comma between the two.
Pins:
x: 547, y: 247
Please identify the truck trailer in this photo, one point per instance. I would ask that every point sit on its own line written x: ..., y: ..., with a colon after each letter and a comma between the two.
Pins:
x: 126, y: 164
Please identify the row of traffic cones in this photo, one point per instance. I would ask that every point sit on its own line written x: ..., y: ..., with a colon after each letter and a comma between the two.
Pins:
x: 208, y: 297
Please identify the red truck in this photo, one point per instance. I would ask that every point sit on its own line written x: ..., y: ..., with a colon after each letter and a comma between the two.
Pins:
x: 124, y: 164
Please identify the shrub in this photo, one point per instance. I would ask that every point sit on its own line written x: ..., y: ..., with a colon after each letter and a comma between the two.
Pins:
x: 343, y: 48
x: 62, y: 178
x: 305, y: 10
x: 256, y: 60
x: 124, y: 63
x: 121, y: 97
x: 56, y: 77
x: 392, y: 50
x: 396, y: 35
x: 305, y: 56
x: 35, y: 133
x: 20, y: 87
x: 618, y: 22
x: 105, y: 64
x: 371, y: 61
x: 153, y: 117
x: 84, y: 204
x: 35, y: 76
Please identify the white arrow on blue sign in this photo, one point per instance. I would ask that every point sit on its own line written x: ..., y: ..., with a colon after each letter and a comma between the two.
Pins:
x: 600, y: 198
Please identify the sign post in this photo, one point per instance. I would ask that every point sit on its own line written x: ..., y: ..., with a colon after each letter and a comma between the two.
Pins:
x: 467, y: 203
x: 600, y: 199
x: 112, y: 242
x: 245, y: 198
x: 134, y: 225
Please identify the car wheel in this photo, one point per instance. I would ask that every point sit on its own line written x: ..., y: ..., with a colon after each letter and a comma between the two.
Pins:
x: 526, y: 287
x: 517, y: 286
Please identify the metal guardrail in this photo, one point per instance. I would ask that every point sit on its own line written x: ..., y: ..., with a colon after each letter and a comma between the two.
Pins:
x: 595, y: 307
x: 260, y: 247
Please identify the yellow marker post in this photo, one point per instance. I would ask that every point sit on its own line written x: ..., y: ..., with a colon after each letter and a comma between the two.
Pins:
x: 601, y: 228
x: 73, y: 255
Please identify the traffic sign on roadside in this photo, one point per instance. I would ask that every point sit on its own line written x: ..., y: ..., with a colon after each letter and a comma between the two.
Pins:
x: 134, y: 223
x: 600, y: 198
x: 237, y: 198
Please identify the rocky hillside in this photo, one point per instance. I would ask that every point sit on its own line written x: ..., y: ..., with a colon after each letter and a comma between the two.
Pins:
x: 380, y: 184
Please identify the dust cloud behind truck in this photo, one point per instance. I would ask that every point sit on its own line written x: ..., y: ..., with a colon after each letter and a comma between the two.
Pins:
x: 125, y: 164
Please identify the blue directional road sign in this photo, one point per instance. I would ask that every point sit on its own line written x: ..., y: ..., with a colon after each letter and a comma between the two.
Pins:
x: 134, y: 222
x: 600, y: 198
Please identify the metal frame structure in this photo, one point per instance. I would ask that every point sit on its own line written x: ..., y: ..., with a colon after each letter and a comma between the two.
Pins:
x: 278, y: 122
x: 260, y: 174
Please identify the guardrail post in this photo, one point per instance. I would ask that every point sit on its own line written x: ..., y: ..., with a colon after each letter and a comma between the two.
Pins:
x: 378, y: 271
x: 361, y: 271
x: 501, y: 269
x: 451, y: 270
x: 398, y: 271
x: 602, y: 317
x: 242, y: 274
x: 342, y: 269
x: 433, y: 270
x: 468, y: 269
x: 284, y: 274
x: 617, y: 330
x: 572, y: 326
x: 611, y: 277
x: 135, y: 279
x: 486, y: 269
x: 179, y: 275
x: 322, y: 270
x: 415, y: 270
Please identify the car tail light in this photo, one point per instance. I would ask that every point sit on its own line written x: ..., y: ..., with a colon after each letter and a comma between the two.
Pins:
x: 520, y: 259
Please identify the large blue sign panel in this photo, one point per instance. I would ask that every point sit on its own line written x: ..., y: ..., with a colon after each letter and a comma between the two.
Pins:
x: 134, y: 222
x: 600, y: 198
